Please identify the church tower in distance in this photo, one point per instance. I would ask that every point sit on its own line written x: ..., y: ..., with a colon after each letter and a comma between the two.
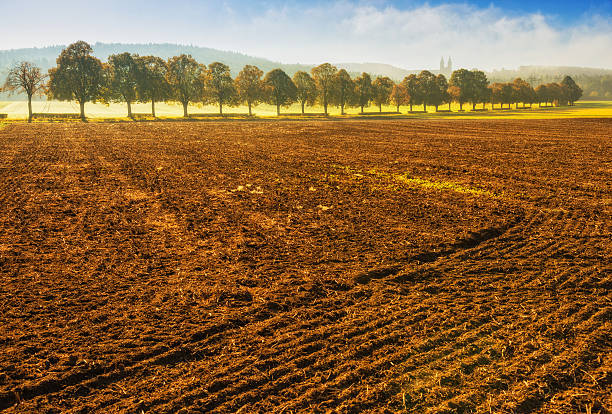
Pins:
x: 446, y: 69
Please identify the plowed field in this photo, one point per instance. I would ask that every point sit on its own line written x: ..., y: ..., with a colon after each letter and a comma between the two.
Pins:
x: 357, y: 266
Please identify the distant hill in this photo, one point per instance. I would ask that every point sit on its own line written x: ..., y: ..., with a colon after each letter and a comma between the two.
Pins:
x: 376, y: 69
x: 46, y: 58
x: 545, y: 74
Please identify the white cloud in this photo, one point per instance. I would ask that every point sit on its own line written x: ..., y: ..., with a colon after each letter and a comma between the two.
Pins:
x: 335, y: 31
x: 416, y: 38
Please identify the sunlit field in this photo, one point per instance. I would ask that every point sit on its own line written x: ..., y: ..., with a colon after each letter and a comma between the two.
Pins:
x: 349, y: 266
x: 17, y: 110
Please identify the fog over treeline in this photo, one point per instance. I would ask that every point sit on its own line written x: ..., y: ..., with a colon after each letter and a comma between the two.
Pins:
x: 596, y: 83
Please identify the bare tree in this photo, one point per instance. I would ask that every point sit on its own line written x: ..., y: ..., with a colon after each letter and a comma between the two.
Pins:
x: 25, y: 77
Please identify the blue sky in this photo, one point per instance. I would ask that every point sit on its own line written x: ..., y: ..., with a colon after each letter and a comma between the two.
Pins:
x: 562, y: 11
x: 406, y: 33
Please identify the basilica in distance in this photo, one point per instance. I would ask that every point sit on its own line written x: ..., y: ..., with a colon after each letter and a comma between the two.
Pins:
x: 447, y: 69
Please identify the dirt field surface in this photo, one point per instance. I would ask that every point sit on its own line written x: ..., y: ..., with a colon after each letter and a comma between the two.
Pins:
x: 363, y: 266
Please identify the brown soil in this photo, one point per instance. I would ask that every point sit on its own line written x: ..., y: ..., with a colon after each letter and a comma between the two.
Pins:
x: 358, y: 266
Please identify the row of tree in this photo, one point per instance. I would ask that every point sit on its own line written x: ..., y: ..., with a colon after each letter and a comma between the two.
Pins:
x: 128, y: 78
x: 519, y: 91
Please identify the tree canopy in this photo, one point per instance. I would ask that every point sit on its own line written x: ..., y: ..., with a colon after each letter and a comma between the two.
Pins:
x: 399, y: 95
x: 152, y: 82
x: 123, y: 79
x: 343, y: 91
x: 382, y: 87
x: 280, y: 89
x: 479, y: 88
x: 249, y: 86
x: 219, y: 85
x: 413, y: 90
x: 78, y: 76
x: 324, y: 76
x: 186, y: 79
x: 429, y: 88
x: 363, y: 90
x: 574, y: 92
x: 306, y: 89
x: 461, y: 81
x: 444, y: 95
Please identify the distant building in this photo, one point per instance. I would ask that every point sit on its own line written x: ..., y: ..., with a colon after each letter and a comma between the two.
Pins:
x: 446, y: 69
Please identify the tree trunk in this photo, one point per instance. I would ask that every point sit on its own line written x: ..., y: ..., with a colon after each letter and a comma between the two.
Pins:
x: 473, y: 106
x: 153, y: 107
x: 250, y: 113
x: 303, y: 103
x: 82, y: 106
x: 277, y: 109
x: 398, y: 107
x: 220, y: 107
x: 129, y: 104
x: 185, y: 114
x: 460, y: 106
x: 449, y: 106
x: 436, y: 108
x: 424, y: 107
x: 342, y: 109
x: 29, y: 108
x: 361, y: 108
x: 325, y: 107
x: 411, y: 107
x: 380, y: 107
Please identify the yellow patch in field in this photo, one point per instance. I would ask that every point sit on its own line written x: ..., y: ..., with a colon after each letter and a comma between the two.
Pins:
x: 164, y: 221
x: 136, y: 195
x: 118, y: 111
x: 263, y: 220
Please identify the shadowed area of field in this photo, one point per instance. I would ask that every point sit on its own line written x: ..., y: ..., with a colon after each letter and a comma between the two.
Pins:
x: 396, y: 266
